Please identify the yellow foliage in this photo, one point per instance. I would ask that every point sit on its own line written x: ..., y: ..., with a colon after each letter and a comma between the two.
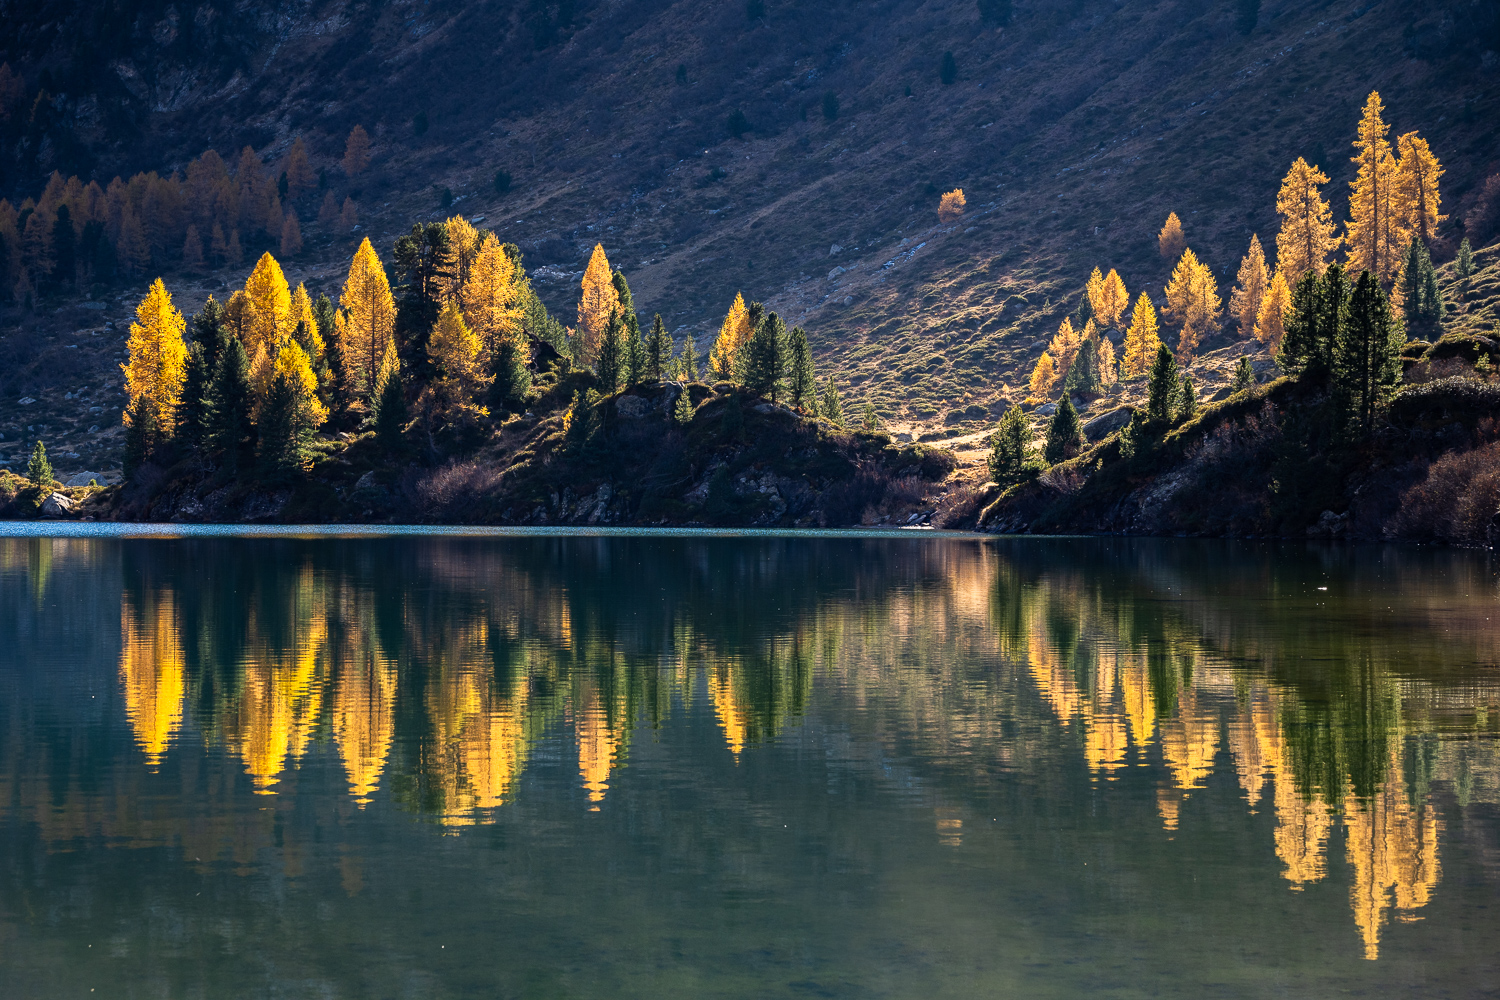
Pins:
x: 1115, y: 300
x: 1171, y: 241
x: 1417, y: 173
x: 733, y: 333
x: 356, y: 151
x: 157, y: 357
x: 1270, y: 322
x: 1093, y: 289
x: 1107, y: 368
x: 598, y: 301
x: 366, y: 320
x: 463, y: 247
x: 302, y: 312
x: 456, y: 349
x: 1307, y: 237
x: 1250, y: 287
x: 1193, y: 303
x: 1064, y: 347
x: 490, y: 296
x: 271, y: 318
x: 1374, y: 232
x: 1043, y: 376
x: 951, y: 206
x: 1141, y: 340
x: 293, y: 364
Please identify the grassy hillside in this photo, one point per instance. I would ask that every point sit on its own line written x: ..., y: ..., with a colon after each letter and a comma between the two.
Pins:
x: 1074, y: 130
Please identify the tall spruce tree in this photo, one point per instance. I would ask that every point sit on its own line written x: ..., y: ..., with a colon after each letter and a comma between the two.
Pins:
x: 636, y: 361
x: 210, y: 328
x: 1318, y: 311
x: 512, y: 377
x: 1463, y: 265
x: 801, y: 382
x: 39, y: 468
x: 1064, y: 433
x: 391, y: 411
x: 1367, y: 357
x: 1421, y: 301
x: 424, y: 265
x: 1244, y: 375
x: 610, y: 362
x: 228, y: 404
x: 658, y: 351
x: 191, y: 406
x: 831, y: 406
x: 1187, y: 399
x: 1163, y: 388
x: 283, y: 435
x: 687, y: 362
x: 1011, y: 454
x: 1083, y: 378
x: 767, y: 358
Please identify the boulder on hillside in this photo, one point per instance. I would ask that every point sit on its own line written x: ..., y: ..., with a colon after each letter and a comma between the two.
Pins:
x: 83, y: 478
x: 56, y: 504
x: 1106, y: 424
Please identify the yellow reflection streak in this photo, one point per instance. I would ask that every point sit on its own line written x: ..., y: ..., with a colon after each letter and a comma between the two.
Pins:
x: 152, y: 672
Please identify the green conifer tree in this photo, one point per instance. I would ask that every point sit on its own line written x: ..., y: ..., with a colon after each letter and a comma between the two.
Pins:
x: 1187, y: 399
x: 831, y: 406
x: 658, y: 351
x: 1367, y: 358
x: 1083, y: 378
x: 801, y: 382
x: 869, y: 420
x: 39, y: 469
x: 191, y: 405
x: 227, y: 409
x: 734, y: 418
x: 582, y: 420
x: 141, y: 437
x: 1244, y: 375
x: 1163, y: 388
x: 767, y: 358
x: 1011, y: 454
x: 391, y: 413
x: 636, y: 360
x: 609, y: 364
x: 1421, y: 301
x: 512, y: 378
x: 682, y: 410
x: 1319, y: 309
x: 1064, y: 433
x: 284, y: 436
x: 687, y: 361
x: 210, y: 328
x: 1463, y: 266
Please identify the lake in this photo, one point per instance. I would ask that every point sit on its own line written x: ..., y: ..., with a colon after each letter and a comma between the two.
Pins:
x: 666, y: 765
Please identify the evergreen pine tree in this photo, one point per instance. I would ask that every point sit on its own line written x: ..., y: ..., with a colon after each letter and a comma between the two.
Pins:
x: 1083, y: 377
x: 1163, y: 388
x: 734, y: 418
x: 1317, y: 314
x: 767, y: 358
x: 390, y: 411
x: 141, y: 436
x: 512, y: 377
x: 1421, y: 301
x: 228, y: 403
x: 870, y: 420
x: 1187, y: 399
x: 282, y: 438
x: 1244, y: 375
x: 1064, y: 432
x: 581, y: 423
x: 210, y: 329
x: 636, y: 360
x: 1463, y: 265
x: 424, y: 262
x: 801, y: 383
x: 682, y: 410
x: 610, y: 363
x: 1010, y: 448
x: 190, y: 407
x: 39, y: 469
x: 64, y: 248
x: 1367, y: 356
x: 831, y: 407
x: 658, y: 351
x: 687, y: 363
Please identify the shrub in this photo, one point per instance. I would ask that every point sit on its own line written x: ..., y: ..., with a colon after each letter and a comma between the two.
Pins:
x: 948, y: 70
x: 738, y: 123
x: 1457, y: 398
x: 1458, y: 502
x: 830, y: 105
x: 502, y: 181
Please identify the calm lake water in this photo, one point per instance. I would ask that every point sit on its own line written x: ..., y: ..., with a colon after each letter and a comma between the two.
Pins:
x: 668, y: 766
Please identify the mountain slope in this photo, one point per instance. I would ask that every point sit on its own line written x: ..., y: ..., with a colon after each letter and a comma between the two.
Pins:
x: 1074, y: 130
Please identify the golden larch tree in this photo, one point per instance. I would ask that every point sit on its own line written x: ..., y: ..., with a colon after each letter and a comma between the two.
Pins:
x: 1141, y: 340
x: 1108, y: 369
x: 491, y: 296
x: 1249, y: 287
x: 951, y: 205
x: 271, y: 305
x: 1064, y: 347
x: 366, y: 319
x: 291, y: 235
x: 1270, y: 321
x: 303, y: 320
x: 1417, y: 173
x: 457, y: 352
x: 1373, y: 233
x: 1192, y: 303
x: 1170, y: 242
x: 463, y: 246
x: 1043, y: 376
x: 733, y: 333
x: 1093, y: 290
x: 157, y: 358
x: 300, y: 177
x: 1116, y: 301
x: 293, y: 363
x: 1307, y: 231
x: 598, y: 301
x: 356, y: 151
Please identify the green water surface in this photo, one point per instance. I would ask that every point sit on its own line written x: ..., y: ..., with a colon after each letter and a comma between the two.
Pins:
x: 636, y: 765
